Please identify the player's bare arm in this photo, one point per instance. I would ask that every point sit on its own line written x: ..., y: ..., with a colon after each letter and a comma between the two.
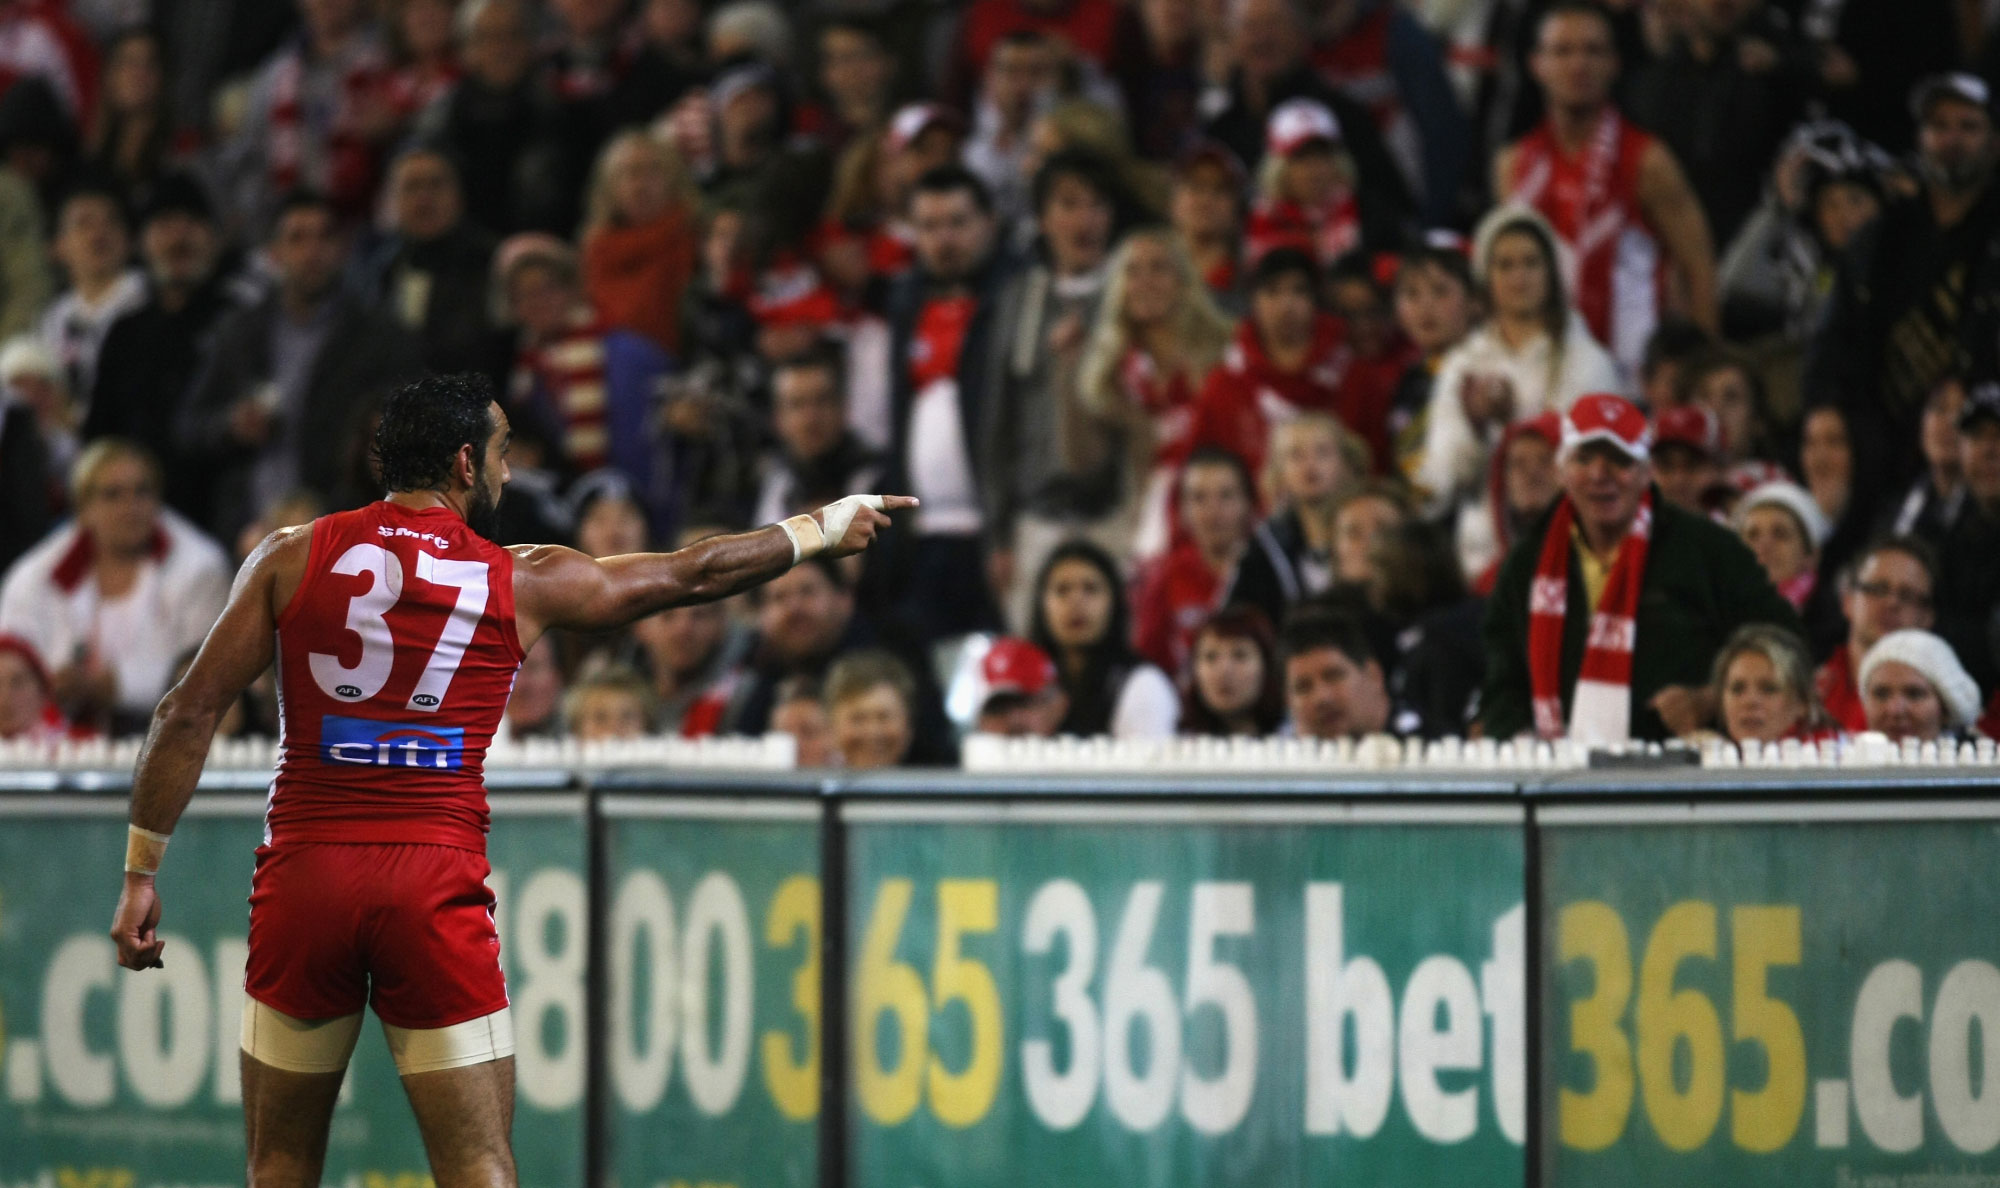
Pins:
x: 1676, y: 214
x: 560, y: 587
x: 237, y: 649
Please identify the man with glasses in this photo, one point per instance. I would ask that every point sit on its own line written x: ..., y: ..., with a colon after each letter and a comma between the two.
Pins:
x: 1889, y: 589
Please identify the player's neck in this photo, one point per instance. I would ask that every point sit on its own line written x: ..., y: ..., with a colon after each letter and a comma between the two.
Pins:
x: 424, y: 500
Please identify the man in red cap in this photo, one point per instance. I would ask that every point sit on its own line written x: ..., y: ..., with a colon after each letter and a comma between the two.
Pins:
x: 1606, y: 617
x: 1687, y: 453
x: 1022, y: 696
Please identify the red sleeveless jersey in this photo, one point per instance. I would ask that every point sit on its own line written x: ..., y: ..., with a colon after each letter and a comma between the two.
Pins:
x: 396, y: 657
x: 1616, y: 268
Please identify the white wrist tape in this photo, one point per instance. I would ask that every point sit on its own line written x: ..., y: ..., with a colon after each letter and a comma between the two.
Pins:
x: 144, y: 850
x: 810, y: 538
x: 840, y: 513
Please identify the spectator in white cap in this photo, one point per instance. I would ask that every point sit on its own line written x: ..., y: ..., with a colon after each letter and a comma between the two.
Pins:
x: 1914, y: 688
x: 1607, y: 616
x: 1790, y: 532
x: 920, y: 137
x: 33, y: 379
x: 1785, y: 529
x: 1311, y: 195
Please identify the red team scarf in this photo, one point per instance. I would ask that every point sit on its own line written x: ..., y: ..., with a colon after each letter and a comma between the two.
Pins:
x: 1602, y: 708
x: 569, y: 369
x: 349, y: 163
x: 1325, y: 233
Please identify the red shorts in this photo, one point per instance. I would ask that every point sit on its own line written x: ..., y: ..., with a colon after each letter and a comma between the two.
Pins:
x: 407, y: 929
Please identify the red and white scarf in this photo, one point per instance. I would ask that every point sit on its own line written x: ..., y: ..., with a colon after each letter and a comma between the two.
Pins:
x: 569, y: 371
x: 350, y: 166
x: 1601, y: 710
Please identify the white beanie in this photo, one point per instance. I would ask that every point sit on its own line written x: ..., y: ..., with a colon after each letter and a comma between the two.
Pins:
x: 1794, y: 499
x: 24, y: 354
x: 1936, y: 662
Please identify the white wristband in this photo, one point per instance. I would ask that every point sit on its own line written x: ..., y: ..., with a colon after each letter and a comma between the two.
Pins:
x: 805, y: 535
x: 143, y: 850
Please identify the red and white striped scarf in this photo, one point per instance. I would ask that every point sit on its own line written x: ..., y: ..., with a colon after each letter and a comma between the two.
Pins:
x: 349, y: 164
x: 569, y: 370
x: 1601, y: 710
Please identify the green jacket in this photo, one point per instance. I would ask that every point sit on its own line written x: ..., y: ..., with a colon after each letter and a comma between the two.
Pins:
x: 1701, y: 584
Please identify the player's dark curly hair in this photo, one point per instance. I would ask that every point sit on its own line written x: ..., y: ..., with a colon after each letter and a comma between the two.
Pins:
x: 423, y: 425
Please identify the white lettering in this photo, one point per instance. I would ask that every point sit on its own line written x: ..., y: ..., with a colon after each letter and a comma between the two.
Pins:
x: 1893, y: 990
x: 1969, y: 993
x: 82, y: 964
x: 1425, y: 1046
x: 163, y: 1029
x: 1502, y: 984
x: 1337, y: 1103
x: 428, y: 538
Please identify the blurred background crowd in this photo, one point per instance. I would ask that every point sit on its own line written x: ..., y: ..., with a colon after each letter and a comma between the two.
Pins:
x: 1428, y: 367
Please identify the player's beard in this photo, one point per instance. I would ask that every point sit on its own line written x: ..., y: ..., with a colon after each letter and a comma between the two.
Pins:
x: 482, y: 509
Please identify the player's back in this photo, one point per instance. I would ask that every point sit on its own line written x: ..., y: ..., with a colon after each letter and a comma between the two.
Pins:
x: 396, y: 657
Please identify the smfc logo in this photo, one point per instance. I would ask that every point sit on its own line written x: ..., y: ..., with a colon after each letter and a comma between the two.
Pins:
x: 390, y: 744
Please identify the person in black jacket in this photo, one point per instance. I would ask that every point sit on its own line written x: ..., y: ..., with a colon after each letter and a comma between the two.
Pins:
x: 941, y: 317
x: 1915, y: 288
x: 1698, y: 583
x: 433, y: 270
x: 26, y: 509
x: 287, y: 390
x: 150, y: 356
x: 1723, y: 97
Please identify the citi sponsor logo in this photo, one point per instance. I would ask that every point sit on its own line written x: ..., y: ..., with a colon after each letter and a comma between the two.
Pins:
x: 361, y: 742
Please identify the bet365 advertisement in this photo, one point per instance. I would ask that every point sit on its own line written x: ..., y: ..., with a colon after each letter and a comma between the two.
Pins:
x: 1796, y: 995
x: 1074, y: 994
x: 116, y: 1079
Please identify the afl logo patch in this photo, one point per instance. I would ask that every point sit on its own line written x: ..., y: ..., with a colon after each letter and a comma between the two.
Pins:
x: 347, y: 691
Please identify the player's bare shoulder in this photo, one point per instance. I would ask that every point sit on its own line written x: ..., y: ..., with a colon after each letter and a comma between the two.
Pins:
x: 554, y: 586
x: 277, y: 565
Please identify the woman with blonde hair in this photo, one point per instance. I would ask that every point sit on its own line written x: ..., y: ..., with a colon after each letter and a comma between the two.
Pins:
x: 1157, y: 334
x: 639, y: 236
x: 1763, y: 686
x: 861, y: 233
x: 1532, y: 355
x: 1314, y: 464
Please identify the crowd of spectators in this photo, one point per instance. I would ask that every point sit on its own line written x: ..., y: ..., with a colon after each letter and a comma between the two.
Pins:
x: 1337, y: 367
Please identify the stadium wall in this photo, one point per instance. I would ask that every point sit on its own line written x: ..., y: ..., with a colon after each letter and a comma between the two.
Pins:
x: 958, y: 981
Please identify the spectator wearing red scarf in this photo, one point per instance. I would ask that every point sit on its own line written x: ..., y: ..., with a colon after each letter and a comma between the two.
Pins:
x: 1523, y: 481
x: 1225, y: 550
x: 28, y: 711
x: 1606, y: 618
x: 1288, y: 358
x: 1311, y: 196
x: 1356, y: 290
x: 1205, y: 207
